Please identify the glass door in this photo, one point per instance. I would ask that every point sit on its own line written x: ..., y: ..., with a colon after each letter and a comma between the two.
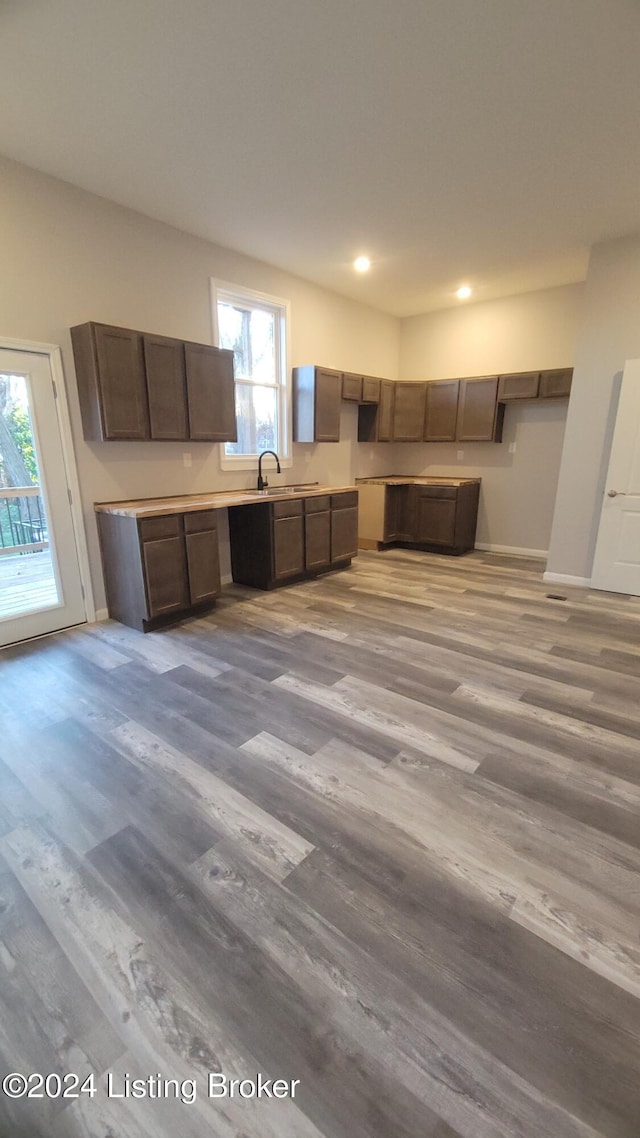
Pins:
x: 40, y: 583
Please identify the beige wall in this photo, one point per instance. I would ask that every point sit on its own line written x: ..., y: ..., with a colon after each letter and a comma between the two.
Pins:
x: 609, y: 334
x: 532, y: 331
x: 68, y: 257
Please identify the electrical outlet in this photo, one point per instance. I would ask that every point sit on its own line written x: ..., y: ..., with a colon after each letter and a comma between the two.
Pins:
x: 186, y: 458
x: 460, y: 455
x: 512, y: 448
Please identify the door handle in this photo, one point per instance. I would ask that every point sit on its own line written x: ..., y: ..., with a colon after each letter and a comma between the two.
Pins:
x: 615, y: 493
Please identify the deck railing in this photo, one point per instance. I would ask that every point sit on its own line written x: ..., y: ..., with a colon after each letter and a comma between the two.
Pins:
x: 23, y: 523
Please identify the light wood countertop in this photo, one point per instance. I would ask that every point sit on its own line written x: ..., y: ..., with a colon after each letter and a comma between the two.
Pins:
x: 416, y: 480
x: 219, y: 500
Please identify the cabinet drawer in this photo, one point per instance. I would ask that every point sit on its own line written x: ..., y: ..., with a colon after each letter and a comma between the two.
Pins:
x: 352, y: 387
x: 166, y: 525
x: 370, y: 390
x: 200, y: 520
x: 317, y: 505
x: 289, y: 509
x: 437, y: 491
x: 520, y: 385
x: 344, y: 501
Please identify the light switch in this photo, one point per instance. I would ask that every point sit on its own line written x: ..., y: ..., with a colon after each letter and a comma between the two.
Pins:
x: 460, y: 455
x: 186, y: 458
x: 512, y: 448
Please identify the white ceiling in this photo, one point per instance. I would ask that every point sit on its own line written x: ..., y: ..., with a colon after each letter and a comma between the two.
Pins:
x: 481, y: 141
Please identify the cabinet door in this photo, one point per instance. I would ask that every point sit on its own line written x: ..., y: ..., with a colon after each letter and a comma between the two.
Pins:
x: 203, y: 565
x: 370, y: 389
x: 166, y: 387
x: 478, y: 413
x: 165, y: 569
x: 409, y: 410
x: 210, y: 393
x: 556, y: 384
x: 121, y: 378
x: 344, y: 533
x: 385, y: 411
x: 442, y: 411
x: 520, y: 385
x: 317, y: 539
x: 328, y: 391
x: 288, y: 547
x: 351, y: 387
x: 435, y: 520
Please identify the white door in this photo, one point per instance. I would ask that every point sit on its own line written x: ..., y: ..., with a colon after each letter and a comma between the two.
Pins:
x: 40, y: 582
x: 616, y: 565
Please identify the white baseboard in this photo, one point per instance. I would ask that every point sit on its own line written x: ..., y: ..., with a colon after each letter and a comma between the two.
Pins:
x: 101, y: 614
x: 227, y: 579
x: 515, y: 550
x: 567, y: 579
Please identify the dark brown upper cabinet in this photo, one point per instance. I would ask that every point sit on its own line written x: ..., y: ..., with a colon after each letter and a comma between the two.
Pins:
x: 370, y: 389
x: 133, y: 385
x: 409, y: 412
x: 556, y: 384
x: 351, y: 387
x: 317, y: 394
x: 166, y: 387
x: 518, y: 385
x: 210, y: 393
x: 375, y: 418
x: 480, y: 416
x: 111, y: 382
x: 442, y: 411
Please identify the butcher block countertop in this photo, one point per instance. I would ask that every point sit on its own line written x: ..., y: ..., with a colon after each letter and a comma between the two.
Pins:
x: 185, y: 503
x: 417, y: 480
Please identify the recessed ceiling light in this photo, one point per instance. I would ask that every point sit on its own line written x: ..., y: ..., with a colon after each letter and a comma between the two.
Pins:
x: 361, y: 264
x: 463, y: 292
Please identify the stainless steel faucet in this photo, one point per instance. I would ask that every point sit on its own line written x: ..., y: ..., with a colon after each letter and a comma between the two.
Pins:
x: 262, y: 482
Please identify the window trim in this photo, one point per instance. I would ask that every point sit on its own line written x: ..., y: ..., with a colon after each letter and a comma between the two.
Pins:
x: 227, y: 289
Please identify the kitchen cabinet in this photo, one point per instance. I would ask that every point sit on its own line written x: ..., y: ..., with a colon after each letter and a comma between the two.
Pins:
x: 519, y: 385
x: 556, y: 384
x: 166, y: 387
x: 275, y: 542
x: 375, y: 420
x: 111, y: 382
x: 317, y: 532
x: 441, y: 411
x: 135, y: 386
x: 438, y: 514
x: 210, y: 393
x: 551, y: 384
x: 370, y: 389
x: 317, y: 395
x: 157, y: 569
x: 409, y: 412
x: 344, y: 526
x: 480, y: 416
x: 351, y: 387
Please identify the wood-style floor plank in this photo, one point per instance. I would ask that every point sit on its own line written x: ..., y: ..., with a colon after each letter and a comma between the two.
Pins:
x: 378, y: 831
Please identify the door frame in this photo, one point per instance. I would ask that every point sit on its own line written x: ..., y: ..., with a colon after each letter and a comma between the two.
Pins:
x: 54, y: 355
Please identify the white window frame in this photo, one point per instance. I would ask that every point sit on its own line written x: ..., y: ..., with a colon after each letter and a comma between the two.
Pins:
x: 225, y: 290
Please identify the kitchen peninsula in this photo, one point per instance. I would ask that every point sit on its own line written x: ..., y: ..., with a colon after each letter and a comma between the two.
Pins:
x: 434, y: 513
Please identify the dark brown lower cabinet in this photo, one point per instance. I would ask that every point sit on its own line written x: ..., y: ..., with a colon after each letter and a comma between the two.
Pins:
x: 276, y: 542
x: 440, y: 515
x: 159, y: 569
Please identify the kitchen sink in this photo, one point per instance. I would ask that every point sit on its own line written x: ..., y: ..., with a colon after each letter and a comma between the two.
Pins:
x: 273, y: 491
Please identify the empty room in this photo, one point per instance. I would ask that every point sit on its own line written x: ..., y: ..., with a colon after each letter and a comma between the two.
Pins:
x: 320, y: 569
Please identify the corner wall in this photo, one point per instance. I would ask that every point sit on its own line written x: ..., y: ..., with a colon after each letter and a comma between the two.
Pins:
x: 609, y: 334
x: 528, y: 332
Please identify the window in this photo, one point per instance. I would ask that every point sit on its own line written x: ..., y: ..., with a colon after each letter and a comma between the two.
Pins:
x: 255, y: 327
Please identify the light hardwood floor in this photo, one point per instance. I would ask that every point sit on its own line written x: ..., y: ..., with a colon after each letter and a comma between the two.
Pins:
x: 378, y: 832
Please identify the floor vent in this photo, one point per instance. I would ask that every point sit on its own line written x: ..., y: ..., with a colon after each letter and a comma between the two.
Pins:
x: 555, y: 597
